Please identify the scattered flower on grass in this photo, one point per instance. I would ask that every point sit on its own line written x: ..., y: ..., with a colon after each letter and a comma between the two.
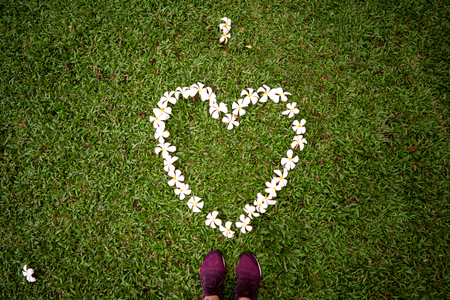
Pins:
x: 250, y: 211
x: 28, y: 274
x: 239, y: 106
x: 291, y: 110
x: 226, y: 231
x: 212, y: 220
x: 269, y: 93
x: 216, y: 109
x: 272, y: 188
x: 230, y: 120
x: 165, y: 149
x: 168, y: 163
x: 289, y: 161
x: 244, y: 224
x: 182, y: 190
x: 225, y: 27
x: 300, y: 141
x: 298, y: 126
x: 195, y: 204
x: 250, y: 95
x: 211, y: 96
x: 281, y: 180
x: 224, y: 38
x: 176, y: 178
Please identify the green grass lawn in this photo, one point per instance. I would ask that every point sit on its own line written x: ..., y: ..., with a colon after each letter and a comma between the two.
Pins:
x: 84, y: 197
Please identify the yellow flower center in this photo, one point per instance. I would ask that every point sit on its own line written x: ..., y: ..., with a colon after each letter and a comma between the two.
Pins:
x: 290, y: 158
x: 265, y: 198
x: 224, y: 35
x: 240, y: 107
x: 266, y: 93
x: 226, y: 25
x: 162, y: 109
x: 181, y: 191
x: 156, y: 119
x: 259, y: 204
x: 292, y: 109
x: 175, y: 178
x: 281, y: 178
x: 281, y: 95
x: 229, y: 121
x: 213, y: 219
x: 163, y: 149
x: 274, y: 188
x: 200, y: 90
x: 170, y: 164
x: 249, y: 95
x: 218, y: 109
x: 228, y: 230
x: 195, y: 203
x: 299, y: 126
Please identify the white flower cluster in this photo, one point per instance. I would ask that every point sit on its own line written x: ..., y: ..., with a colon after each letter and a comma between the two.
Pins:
x: 225, y: 28
x: 163, y: 112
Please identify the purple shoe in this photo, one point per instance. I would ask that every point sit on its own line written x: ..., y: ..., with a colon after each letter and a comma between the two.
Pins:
x: 211, y: 274
x: 248, y: 273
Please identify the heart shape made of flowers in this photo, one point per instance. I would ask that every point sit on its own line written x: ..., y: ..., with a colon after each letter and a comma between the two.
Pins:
x: 162, y: 114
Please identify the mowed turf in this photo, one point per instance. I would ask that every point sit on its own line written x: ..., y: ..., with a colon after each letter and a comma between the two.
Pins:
x: 85, y: 200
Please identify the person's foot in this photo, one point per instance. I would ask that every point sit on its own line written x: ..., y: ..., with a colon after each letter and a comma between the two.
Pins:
x: 248, y: 273
x: 211, y: 274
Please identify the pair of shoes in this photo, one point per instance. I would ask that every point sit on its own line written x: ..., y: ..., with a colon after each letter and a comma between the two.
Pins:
x: 248, y: 274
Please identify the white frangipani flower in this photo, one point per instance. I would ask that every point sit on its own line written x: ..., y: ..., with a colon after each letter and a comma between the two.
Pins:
x: 230, y: 120
x: 250, y: 211
x: 281, y: 180
x: 198, y: 87
x: 176, y: 178
x: 269, y: 93
x: 216, y: 109
x: 250, y: 95
x: 298, y: 126
x: 161, y: 134
x: 225, y: 27
x: 226, y: 231
x: 289, y: 161
x: 243, y: 224
x: 283, y: 95
x: 211, y: 97
x: 28, y: 274
x: 266, y: 199
x: 168, y: 97
x: 291, y: 110
x: 261, y: 205
x: 300, y: 141
x: 272, y: 188
x: 158, y: 120
x: 165, y: 149
x: 182, y: 190
x: 212, y: 220
x: 224, y: 38
x: 168, y: 163
x: 195, y: 204
x: 185, y: 91
x: 239, y: 106
x: 163, y: 110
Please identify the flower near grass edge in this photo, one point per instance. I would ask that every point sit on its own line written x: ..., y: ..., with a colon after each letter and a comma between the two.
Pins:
x: 230, y: 120
x: 300, y: 141
x: 225, y: 28
x: 291, y: 110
